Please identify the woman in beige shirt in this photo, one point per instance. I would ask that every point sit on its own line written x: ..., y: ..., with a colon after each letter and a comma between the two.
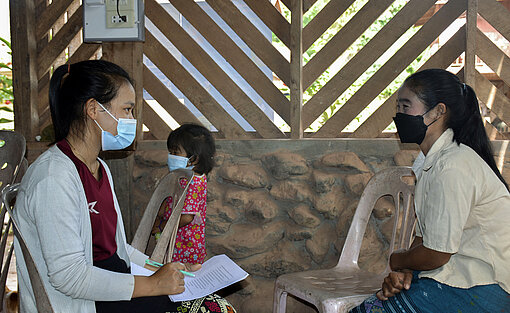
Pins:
x: 460, y: 258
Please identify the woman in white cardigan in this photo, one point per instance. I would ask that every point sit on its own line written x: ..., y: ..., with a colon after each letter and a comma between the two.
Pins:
x: 68, y: 212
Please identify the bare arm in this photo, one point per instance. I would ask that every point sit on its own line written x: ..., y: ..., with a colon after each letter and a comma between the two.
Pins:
x: 186, y: 219
x: 418, y: 257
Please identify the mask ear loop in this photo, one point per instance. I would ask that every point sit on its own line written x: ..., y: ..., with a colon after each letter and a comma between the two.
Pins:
x: 107, y: 111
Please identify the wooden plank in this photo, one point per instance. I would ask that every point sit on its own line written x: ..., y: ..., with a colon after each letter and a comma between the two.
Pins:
x: 391, y: 69
x: 272, y: 18
x: 343, y: 40
x: 296, y: 69
x: 49, y: 16
x: 59, y: 42
x: 307, y: 4
x: 381, y: 118
x: 153, y: 121
x: 200, y: 98
x: 496, y: 59
x: 24, y: 64
x: 323, y: 20
x: 470, y: 54
x: 166, y: 99
x: 259, y: 44
x: 497, y: 15
x: 209, y: 69
x: 363, y: 59
x: 235, y: 57
x: 493, y: 98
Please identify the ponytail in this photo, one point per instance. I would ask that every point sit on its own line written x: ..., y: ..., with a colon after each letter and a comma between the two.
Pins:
x: 72, y: 85
x: 435, y: 86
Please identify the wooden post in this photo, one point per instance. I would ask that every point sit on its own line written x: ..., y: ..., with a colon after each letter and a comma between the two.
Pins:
x: 24, y: 64
x: 129, y: 55
x: 296, y: 69
x: 470, y: 54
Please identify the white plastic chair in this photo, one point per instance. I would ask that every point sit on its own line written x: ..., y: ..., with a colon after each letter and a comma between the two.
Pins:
x: 343, y: 287
x: 168, y: 186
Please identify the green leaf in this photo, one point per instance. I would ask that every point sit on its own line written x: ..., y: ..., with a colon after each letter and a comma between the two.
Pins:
x: 6, y: 109
x: 7, y: 43
x: 5, y: 120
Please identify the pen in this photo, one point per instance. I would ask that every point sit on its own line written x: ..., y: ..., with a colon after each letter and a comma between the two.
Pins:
x: 153, y: 263
x: 187, y: 273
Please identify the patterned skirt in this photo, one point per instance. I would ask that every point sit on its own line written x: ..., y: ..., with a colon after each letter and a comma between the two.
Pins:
x: 429, y: 296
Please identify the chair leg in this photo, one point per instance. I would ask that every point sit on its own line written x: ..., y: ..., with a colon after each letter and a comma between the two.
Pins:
x: 280, y: 301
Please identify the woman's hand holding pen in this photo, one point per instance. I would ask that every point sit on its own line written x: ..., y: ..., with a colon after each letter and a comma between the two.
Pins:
x: 167, y: 280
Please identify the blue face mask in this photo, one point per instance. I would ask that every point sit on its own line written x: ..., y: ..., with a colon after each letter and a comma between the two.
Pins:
x: 176, y: 162
x: 126, y: 132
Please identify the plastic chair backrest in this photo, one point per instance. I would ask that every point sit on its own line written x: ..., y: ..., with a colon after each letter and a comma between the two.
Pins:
x: 168, y: 186
x: 387, y: 182
x: 12, y: 151
x: 42, y: 300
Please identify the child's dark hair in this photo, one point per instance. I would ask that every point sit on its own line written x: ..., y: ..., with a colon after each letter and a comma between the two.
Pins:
x: 433, y: 86
x: 72, y: 85
x: 197, y: 142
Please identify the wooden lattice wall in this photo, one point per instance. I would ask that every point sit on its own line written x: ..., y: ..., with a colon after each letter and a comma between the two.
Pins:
x: 46, y: 35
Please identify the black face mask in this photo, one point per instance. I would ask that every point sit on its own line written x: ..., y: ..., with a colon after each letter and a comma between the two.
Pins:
x: 411, y: 128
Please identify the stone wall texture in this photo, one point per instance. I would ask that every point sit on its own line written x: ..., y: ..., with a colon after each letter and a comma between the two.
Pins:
x: 281, y: 206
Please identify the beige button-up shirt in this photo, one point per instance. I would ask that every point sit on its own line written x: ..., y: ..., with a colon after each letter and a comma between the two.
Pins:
x: 463, y: 208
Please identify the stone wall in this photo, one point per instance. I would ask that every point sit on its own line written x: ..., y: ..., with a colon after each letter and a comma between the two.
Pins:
x: 280, y: 206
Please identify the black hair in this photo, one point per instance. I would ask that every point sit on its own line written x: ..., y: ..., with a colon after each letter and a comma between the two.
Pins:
x: 72, y: 85
x: 433, y: 86
x: 197, y: 142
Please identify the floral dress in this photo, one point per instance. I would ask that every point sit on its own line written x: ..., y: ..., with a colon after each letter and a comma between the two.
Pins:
x: 190, y: 240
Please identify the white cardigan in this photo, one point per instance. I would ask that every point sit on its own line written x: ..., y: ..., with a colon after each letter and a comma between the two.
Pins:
x: 52, y: 213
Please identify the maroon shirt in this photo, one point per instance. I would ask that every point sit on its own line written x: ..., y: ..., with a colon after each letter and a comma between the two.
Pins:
x: 103, y: 216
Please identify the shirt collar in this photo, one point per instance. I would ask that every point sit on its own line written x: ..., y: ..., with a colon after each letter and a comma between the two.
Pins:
x: 442, y: 142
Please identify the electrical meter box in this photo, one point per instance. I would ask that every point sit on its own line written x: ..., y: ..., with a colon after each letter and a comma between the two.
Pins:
x: 113, y: 20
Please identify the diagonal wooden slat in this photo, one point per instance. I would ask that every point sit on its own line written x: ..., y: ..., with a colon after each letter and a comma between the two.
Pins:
x: 497, y: 15
x: 496, y: 59
x: 166, y: 99
x: 210, y: 70
x: 272, y: 18
x: 493, y: 98
x: 200, y: 98
x: 259, y: 44
x: 343, y: 40
x: 59, y: 42
x: 323, y: 20
x: 153, y: 121
x: 307, y: 4
x: 381, y: 118
x: 50, y: 15
x: 391, y: 69
x: 383, y: 40
x: 235, y: 56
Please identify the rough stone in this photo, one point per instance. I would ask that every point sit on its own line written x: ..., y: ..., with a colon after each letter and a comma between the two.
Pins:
x: 292, y: 190
x: 220, y: 218
x: 345, y: 219
x: 221, y: 158
x: 405, y: 157
x: 384, y: 207
x: 357, y: 182
x: 261, y: 208
x: 244, y: 240
x: 386, y: 228
x: 372, y: 256
x: 376, y: 164
x: 320, y: 243
x: 345, y: 160
x: 247, y: 175
x: 237, y: 197
x: 283, y: 164
x: 214, y: 190
x: 303, y: 216
x: 285, y: 257
x: 332, y: 203
x: 323, y: 181
x: 294, y: 232
x: 153, y: 158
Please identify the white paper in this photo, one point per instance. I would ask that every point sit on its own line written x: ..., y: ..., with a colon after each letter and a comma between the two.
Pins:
x: 216, y: 273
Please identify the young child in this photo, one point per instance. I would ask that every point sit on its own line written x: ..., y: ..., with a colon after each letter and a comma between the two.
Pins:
x: 189, y: 146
